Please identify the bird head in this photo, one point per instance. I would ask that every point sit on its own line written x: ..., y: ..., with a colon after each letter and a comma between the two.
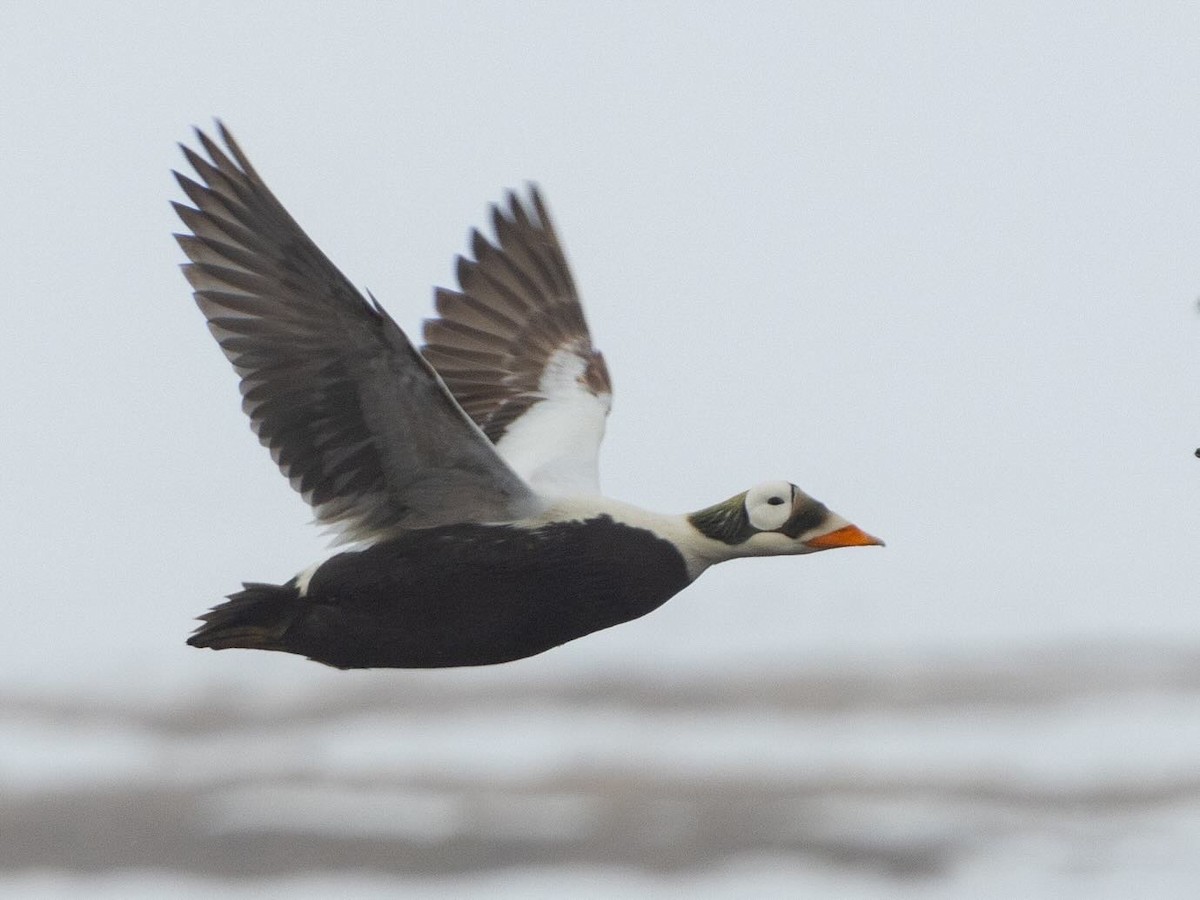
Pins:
x: 776, y: 518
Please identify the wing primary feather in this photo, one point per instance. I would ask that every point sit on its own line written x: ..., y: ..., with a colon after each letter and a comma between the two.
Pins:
x: 359, y: 422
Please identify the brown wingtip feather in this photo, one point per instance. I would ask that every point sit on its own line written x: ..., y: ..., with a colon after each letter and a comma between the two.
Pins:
x: 516, y: 310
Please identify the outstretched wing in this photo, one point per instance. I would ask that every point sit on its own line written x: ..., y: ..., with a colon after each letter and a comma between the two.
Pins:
x: 355, y: 418
x: 513, y: 347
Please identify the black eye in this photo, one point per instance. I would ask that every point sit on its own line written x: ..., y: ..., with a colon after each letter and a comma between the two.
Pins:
x: 775, y: 501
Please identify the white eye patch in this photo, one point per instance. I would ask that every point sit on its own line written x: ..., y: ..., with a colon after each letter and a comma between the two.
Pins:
x: 769, y: 505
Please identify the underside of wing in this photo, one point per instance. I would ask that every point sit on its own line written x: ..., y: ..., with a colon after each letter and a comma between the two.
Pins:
x: 355, y: 418
x: 513, y: 347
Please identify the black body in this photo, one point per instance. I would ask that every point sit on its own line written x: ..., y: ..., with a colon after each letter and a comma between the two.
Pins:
x: 458, y: 595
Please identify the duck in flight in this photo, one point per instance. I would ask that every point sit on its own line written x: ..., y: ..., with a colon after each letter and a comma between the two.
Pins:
x: 464, y: 473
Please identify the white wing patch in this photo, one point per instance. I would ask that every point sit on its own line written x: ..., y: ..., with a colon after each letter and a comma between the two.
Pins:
x: 554, y: 445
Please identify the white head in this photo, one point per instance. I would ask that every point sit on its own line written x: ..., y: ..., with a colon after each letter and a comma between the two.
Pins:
x: 776, y: 518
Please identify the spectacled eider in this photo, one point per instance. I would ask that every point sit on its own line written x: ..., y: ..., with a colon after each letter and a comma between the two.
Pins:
x: 467, y: 471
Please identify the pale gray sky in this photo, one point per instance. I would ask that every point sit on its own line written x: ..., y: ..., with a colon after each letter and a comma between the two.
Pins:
x: 936, y: 264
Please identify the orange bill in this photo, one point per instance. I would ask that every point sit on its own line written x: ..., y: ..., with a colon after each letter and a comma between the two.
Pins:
x: 849, y: 536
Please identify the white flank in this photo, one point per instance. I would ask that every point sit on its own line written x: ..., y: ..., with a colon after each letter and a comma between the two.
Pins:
x: 555, y: 444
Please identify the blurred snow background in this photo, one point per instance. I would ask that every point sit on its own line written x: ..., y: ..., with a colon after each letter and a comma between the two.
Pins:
x: 937, y: 264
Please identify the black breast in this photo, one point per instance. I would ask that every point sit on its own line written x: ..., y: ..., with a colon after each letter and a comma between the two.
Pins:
x: 467, y: 595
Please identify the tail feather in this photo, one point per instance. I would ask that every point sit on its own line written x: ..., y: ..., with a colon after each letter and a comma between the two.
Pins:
x: 256, y: 618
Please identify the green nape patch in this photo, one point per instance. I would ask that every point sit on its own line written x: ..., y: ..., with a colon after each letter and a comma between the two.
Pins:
x: 726, y: 522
